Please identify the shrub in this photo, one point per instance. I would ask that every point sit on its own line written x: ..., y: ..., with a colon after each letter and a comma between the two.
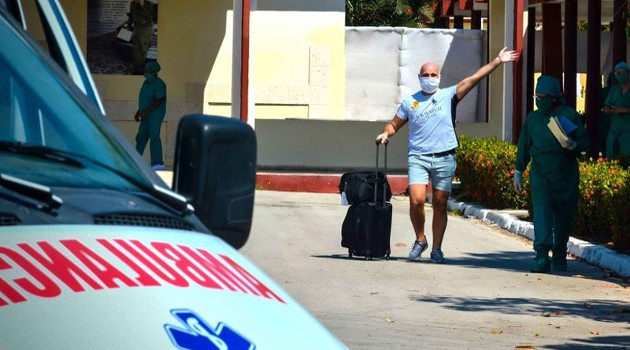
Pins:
x: 604, y: 204
x: 485, y: 168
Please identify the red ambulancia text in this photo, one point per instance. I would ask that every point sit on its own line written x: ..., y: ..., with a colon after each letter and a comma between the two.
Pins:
x: 43, y: 269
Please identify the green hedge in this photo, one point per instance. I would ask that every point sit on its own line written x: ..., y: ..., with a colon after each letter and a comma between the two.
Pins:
x: 604, y: 204
x: 485, y: 169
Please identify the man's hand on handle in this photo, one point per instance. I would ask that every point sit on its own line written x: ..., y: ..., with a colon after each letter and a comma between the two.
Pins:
x: 382, y: 138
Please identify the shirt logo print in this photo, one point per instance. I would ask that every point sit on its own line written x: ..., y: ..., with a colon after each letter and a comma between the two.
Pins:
x: 421, y: 116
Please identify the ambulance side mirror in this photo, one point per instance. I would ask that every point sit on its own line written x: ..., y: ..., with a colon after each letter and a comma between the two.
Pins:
x: 215, y: 169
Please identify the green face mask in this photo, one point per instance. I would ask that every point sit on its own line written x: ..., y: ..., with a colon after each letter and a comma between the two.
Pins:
x: 621, y: 78
x: 544, y: 104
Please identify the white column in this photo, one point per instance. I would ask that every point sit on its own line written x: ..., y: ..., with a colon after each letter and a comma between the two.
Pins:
x: 236, y: 58
x: 508, y: 82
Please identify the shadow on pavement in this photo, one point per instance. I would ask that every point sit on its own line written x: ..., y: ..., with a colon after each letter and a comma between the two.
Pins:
x: 345, y: 257
x: 521, y: 262
x: 595, y: 343
x: 517, y: 261
x: 599, y: 310
x: 505, y: 260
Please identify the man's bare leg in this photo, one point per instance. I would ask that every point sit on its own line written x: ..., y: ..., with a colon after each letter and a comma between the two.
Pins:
x: 417, y: 194
x: 440, y: 216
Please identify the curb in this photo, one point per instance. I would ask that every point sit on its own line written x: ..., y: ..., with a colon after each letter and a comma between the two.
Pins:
x: 591, y: 253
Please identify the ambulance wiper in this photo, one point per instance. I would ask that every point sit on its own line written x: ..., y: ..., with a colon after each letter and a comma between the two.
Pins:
x: 33, y: 191
x: 39, y: 152
x: 172, y: 200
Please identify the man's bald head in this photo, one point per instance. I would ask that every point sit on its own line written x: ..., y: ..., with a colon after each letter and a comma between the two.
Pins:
x: 430, y: 69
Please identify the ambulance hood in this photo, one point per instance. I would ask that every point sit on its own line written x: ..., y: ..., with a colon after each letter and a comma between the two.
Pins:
x: 119, y: 287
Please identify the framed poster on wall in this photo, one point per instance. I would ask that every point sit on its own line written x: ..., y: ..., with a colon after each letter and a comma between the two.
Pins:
x: 121, y: 35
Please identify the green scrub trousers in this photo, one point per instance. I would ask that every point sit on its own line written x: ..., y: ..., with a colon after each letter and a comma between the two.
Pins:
x: 554, y: 209
x: 149, y: 130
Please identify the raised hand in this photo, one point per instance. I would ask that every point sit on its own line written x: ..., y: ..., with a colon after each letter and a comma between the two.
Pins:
x: 508, y: 56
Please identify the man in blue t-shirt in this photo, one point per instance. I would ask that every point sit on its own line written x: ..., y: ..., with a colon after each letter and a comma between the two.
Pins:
x: 430, y: 113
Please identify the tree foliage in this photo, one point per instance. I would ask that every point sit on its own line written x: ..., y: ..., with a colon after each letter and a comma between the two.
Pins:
x: 391, y: 13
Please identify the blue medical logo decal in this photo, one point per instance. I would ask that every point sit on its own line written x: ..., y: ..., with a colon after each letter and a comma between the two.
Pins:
x: 196, y: 334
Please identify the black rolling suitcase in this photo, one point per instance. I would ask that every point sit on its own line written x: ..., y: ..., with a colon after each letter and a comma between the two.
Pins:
x: 367, y: 226
x: 359, y: 186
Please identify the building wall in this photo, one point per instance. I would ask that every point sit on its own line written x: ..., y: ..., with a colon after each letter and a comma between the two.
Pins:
x: 300, y: 5
x: 75, y: 12
x: 190, y: 34
x: 383, y: 65
x: 298, y: 73
x: 297, y: 67
x: 297, y: 62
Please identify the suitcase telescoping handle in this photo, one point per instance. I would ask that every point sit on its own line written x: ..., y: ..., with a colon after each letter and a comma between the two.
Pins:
x: 378, y: 142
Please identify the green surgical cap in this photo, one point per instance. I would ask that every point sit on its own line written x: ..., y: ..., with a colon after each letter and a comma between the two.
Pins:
x: 622, y: 65
x: 153, y: 65
x: 548, y: 85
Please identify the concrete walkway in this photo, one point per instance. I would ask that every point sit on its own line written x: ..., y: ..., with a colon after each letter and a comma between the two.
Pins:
x: 482, y: 298
x: 316, y: 183
x: 591, y: 253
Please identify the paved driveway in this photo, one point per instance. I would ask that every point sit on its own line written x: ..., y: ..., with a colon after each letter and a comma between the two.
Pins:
x: 483, y: 298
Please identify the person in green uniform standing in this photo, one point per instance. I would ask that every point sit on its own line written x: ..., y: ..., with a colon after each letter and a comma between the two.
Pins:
x: 603, y: 123
x: 141, y: 17
x: 553, y: 174
x: 150, y: 114
x: 618, y: 105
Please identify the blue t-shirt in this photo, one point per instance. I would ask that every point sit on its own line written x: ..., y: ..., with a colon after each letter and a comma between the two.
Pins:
x: 430, y: 119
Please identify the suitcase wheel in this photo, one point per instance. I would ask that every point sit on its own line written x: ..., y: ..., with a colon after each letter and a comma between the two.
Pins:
x: 350, y: 253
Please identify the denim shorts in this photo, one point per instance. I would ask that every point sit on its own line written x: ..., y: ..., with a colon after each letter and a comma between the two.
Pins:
x: 439, y: 168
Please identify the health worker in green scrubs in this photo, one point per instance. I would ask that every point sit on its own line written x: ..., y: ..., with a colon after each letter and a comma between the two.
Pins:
x: 618, y: 106
x: 553, y: 174
x: 150, y: 114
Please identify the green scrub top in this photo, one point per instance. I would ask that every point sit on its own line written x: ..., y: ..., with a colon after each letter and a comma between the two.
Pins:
x: 619, y: 121
x: 554, y: 165
x: 153, y: 89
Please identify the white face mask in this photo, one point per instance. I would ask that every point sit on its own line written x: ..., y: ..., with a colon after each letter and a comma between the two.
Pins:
x: 429, y: 84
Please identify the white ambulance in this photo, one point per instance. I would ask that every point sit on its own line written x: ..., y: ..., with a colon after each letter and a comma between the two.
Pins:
x: 96, y: 252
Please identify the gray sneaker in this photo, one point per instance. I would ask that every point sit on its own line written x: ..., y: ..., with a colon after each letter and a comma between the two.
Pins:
x: 417, y: 249
x: 437, y: 257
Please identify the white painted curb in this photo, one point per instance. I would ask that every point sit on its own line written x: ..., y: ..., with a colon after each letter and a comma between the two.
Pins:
x: 591, y: 253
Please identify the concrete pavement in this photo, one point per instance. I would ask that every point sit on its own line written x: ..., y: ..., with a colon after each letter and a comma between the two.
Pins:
x: 484, y: 297
x: 317, y: 183
x: 591, y: 253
